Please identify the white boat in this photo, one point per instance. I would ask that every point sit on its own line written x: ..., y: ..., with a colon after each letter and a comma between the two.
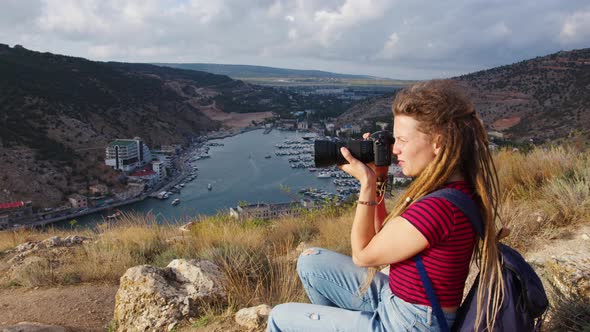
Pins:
x: 182, y: 184
x: 209, y: 186
x: 176, y: 201
x: 324, y: 175
x: 114, y: 216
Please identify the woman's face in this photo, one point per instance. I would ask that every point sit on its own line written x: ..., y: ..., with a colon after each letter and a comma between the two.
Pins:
x: 414, y: 149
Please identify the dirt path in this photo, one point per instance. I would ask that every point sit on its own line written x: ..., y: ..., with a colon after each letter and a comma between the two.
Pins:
x: 78, y: 308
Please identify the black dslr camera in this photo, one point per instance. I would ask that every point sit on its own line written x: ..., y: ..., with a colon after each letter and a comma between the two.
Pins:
x: 377, y: 149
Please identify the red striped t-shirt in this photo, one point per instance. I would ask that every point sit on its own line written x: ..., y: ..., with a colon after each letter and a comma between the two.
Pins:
x: 451, y: 239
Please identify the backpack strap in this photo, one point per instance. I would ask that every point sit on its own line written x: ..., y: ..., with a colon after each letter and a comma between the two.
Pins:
x: 469, y: 208
x: 438, y: 312
x: 464, y: 203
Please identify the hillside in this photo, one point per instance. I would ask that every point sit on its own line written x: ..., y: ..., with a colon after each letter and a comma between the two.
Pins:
x: 545, y: 98
x: 288, y: 77
x: 58, y: 112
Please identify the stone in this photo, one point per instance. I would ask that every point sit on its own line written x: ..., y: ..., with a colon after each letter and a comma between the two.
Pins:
x: 54, y: 241
x: 32, y: 327
x: 585, y: 237
x: 302, y: 246
x: 569, y: 276
x: 253, y: 318
x: 152, y: 298
x: 187, y: 227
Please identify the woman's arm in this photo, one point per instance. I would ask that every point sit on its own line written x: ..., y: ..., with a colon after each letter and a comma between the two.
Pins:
x: 397, y: 241
x: 380, y: 213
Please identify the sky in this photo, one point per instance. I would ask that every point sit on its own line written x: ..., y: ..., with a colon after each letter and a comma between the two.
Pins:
x: 411, y: 39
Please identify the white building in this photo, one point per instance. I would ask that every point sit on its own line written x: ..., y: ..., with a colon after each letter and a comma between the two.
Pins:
x: 351, y: 129
x: 160, y: 168
x: 266, y: 211
x: 127, y: 154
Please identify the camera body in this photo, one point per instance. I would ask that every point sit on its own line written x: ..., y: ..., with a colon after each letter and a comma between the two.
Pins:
x: 376, y: 149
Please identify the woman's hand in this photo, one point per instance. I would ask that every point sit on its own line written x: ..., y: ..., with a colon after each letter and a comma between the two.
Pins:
x: 380, y: 171
x: 356, y: 168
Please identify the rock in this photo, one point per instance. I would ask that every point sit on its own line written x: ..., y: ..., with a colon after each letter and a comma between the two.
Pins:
x: 302, y: 246
x: 151, y: 298
x: 570, y: 277
x: 30, y: 271
x: 202, y: 278
x: 187, y: 227
x: 585, y: 237
x: 54, y: 241
x: 32, y: 327
x: 254, y: 317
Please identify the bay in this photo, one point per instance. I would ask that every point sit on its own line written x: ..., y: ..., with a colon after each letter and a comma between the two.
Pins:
x: 238, y: 172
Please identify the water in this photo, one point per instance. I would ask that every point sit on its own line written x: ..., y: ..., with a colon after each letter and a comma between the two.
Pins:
x: 238, y: 172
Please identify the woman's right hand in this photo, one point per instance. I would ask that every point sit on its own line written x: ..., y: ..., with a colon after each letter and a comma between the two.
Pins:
x: 380, y: 171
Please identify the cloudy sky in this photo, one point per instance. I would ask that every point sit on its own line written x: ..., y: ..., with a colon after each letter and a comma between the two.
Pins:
x: 409, y: 39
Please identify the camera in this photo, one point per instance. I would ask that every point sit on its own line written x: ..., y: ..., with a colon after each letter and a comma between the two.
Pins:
x: 377, y: 149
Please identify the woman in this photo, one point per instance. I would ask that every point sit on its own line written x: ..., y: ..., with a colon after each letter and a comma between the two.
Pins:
x: 440, y: 141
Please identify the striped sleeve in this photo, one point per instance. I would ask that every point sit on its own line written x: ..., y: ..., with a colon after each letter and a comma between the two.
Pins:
x: 433, y: 217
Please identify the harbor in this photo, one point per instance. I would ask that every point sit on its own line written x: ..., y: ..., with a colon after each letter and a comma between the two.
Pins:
x: 221, y: 173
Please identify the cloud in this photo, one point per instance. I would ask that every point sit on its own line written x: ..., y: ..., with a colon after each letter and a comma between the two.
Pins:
x: 576, y: 27
x: 400, y: 39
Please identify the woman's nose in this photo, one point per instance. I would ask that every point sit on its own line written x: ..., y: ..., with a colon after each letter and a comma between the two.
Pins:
x: 395, y: 149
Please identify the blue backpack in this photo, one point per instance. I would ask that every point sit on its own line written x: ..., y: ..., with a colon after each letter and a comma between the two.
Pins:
x: 525, y: 300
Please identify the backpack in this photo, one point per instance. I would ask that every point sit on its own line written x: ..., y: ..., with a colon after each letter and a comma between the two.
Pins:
x: 525, y: 300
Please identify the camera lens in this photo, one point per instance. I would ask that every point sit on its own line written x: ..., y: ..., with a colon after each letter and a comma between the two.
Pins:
x: 325, y: 153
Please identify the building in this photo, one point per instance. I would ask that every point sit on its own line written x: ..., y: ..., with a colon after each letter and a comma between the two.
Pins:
x: 350, y: 129
x: 15, y: 212
x: 265, y: 211
x: 127, y: 154
x: 146, y: 176
x: 98, y: 190
x: 78, y: 201
x: 330, y: 128
x: 304, y: 125
x: 171, y: 149
x: 159, y: 167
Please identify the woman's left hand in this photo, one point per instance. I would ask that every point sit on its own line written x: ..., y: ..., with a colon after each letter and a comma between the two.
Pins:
x: 356, y: 168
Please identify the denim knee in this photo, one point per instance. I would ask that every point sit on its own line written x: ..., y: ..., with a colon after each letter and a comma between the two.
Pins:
x: 307, y: 260
x: 279, y: 315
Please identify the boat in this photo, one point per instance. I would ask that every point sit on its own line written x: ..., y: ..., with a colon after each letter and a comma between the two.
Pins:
x: 176, y: 201
x: 209, y: 186
x: 324, y: 175
x: 114, y: 216
x: 182, y: 184
x: 267, y: 156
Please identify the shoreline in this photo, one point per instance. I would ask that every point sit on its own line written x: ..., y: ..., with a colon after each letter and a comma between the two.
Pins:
x: 184, y: 172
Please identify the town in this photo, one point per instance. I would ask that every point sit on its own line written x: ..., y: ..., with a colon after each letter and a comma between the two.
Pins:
x: 159, y: 173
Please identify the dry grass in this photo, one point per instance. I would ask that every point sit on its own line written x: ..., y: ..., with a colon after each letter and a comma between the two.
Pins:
x: 544, y: 191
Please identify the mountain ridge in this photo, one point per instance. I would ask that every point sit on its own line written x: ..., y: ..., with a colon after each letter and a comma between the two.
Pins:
x: 545, y: 99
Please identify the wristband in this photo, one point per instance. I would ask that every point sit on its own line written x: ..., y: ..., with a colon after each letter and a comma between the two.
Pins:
x: 368, y: 203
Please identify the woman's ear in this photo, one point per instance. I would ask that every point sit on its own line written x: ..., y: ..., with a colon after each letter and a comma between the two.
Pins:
x: 436, y: 144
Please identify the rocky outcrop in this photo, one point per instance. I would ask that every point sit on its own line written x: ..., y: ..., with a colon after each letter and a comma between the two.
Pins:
x: 253, y: 318
x: 32, y: 327
x: 157, y: 299
x: 30, y: 247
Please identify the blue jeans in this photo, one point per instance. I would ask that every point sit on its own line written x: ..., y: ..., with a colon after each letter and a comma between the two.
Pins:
x: 332, y: 283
